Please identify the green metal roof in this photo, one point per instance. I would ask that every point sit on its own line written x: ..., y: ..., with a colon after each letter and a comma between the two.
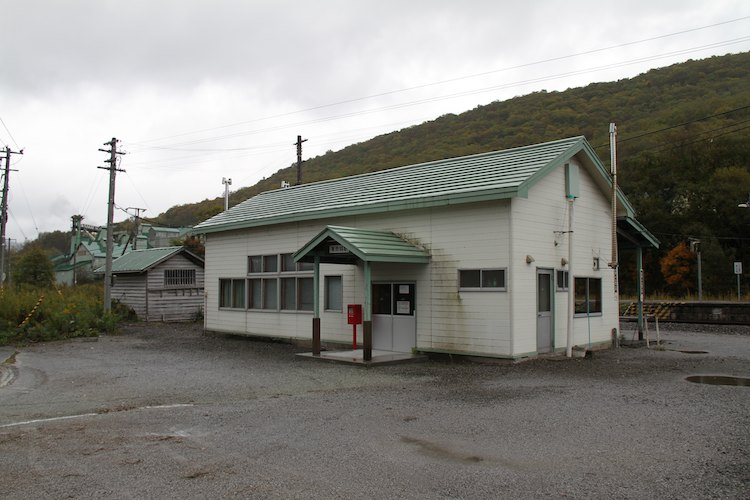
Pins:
x: 139, y: 261
x: 364, y: 244
x: 481, y: 177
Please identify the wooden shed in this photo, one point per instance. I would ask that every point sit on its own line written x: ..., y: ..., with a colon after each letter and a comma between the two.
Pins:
x: 160, y: 284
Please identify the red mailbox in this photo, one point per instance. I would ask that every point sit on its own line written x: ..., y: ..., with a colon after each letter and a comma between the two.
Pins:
x: 354, y: 314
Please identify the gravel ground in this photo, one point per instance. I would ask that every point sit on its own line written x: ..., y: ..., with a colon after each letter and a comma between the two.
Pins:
x: 164, y: 411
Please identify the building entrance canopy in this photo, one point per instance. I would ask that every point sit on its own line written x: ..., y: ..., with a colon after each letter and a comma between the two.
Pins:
x: 347, y: 245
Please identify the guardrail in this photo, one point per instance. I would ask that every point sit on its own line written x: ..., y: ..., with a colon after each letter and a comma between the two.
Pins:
x: 725, y: 313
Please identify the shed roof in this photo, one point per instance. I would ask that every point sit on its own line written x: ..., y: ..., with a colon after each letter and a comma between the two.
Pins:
x: 139, y: 261
x: 364, y: 244
x: 480, y: 177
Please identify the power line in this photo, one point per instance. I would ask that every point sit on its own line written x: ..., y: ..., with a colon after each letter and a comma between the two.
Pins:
x: 452, y: 95
x: 630, y: 138
x: 452, y: 80
x: 11, y: 135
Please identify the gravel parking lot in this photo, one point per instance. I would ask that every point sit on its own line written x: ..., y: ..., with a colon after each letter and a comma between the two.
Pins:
x: 164, y: 411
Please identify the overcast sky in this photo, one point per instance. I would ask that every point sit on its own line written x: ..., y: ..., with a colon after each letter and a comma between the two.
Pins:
x: 198, y: 90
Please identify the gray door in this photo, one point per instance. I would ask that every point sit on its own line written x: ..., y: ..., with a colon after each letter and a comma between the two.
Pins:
x: 544, y: 311
x: 394, y: 326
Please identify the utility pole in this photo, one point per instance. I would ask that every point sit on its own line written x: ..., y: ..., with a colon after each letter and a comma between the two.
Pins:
x: 4, y: 210
x: 137, y: 221
x: 695, y: 247
x: 227, y: 183
x: 110, y: 214
x: 299, y: 142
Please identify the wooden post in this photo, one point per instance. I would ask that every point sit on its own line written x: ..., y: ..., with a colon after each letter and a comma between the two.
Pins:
x: 367, y: 313
x: 316, y: 337
x: 316, y: 307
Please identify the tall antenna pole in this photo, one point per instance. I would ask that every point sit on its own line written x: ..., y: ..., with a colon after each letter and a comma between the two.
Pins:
x: 4, y: 210
x: 110, y: 215
x: 299, y: 142
x: 227, y: 183
x: 613, y: 165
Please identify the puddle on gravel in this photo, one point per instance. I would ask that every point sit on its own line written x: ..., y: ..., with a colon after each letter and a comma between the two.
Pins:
x: 693, y: 352
x: 718, y: 380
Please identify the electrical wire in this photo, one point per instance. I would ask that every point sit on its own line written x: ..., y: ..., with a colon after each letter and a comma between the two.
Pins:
x: 452, y: 80
x: 9, y: 134
x: 456, y: 94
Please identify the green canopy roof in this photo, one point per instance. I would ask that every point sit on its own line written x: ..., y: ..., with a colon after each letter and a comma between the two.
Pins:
x: 346, y: 245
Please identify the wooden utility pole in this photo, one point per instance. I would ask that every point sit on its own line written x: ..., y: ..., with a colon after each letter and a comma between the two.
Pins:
x: 299, y: 142
x: 110, y: 215
x: 4, y: 210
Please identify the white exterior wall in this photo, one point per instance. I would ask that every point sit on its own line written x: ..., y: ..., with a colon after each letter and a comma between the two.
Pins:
x: 489, y: 235
x: 465, y: 236
x: 535, y: 221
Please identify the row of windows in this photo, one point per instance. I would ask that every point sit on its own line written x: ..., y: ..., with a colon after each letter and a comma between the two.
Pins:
x: 279, y: 294
x: 276, y: 263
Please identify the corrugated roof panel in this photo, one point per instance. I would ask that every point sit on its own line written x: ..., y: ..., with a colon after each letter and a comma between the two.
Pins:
x: 491, y: 175
x: 138, y: 261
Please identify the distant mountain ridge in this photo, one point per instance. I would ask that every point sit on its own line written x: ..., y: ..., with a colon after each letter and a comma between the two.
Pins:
x: 682, y: 131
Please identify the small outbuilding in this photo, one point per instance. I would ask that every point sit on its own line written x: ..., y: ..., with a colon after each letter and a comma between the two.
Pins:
x: 160, y: 284
x: 501, y: 254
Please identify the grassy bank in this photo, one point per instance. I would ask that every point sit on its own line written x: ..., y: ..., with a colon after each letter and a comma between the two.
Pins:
x: 35, y: 315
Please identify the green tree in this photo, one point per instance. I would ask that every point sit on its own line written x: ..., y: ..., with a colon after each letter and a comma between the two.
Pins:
x: 33, y: 267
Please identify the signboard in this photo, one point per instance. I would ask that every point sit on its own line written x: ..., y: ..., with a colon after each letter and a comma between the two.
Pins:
x: 337, y: 249
x: 738, y: 268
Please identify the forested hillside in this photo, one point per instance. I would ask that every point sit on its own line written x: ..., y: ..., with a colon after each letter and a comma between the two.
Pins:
x: 683, y: 149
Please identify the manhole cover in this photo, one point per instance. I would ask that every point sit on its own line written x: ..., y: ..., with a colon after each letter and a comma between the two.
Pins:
x: 718, y: 380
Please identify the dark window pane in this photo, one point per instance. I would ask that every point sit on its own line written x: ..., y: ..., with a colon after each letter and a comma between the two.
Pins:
x: 270, y: 299
x: 288, y: 293
x: 493, y: 278
x: 333, y: 293
x: 381, y: 298
x: 238, y: 293
x: 270, y: 263
x: 580, y: 292
x: 595, y: 295
x: 225, y: 293
x: 306, y: 266
x: 287, y: 263
x: 306, y: 297
x: 255, y: 264
x: 544, y: 304
x: 255, y: 294
x: 469, y: 278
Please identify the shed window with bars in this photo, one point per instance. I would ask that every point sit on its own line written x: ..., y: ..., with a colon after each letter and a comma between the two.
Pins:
x: 179, y: 277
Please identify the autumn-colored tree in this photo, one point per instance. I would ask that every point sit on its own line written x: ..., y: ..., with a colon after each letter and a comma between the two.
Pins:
x: 676, y: 267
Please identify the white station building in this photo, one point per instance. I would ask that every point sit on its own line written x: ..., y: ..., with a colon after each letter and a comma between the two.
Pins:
x: 501, y: 254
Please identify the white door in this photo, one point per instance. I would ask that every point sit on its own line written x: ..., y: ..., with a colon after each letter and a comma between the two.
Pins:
x: 394, y: 326
x: 544, y: 310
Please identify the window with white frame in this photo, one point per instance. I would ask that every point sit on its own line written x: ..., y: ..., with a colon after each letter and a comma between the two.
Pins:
x: 232, y: 293
x: 588, y: 295
x: 481, y: 279
x: 561, y: 279
x: 277, y: 283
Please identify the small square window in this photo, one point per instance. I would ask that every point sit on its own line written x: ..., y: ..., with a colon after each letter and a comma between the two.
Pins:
x: 561, y: 278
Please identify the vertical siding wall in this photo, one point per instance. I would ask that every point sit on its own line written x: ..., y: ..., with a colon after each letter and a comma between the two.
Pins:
x: 535, y: 221
x: 174, y: 303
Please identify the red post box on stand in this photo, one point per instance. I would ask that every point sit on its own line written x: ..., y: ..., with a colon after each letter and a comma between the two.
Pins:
x: 354, y: 318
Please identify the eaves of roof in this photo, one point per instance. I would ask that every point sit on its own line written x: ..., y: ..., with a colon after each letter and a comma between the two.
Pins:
x: 469, y: 179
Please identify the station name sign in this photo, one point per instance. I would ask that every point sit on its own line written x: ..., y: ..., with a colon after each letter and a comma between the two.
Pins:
x: 337, y: 249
